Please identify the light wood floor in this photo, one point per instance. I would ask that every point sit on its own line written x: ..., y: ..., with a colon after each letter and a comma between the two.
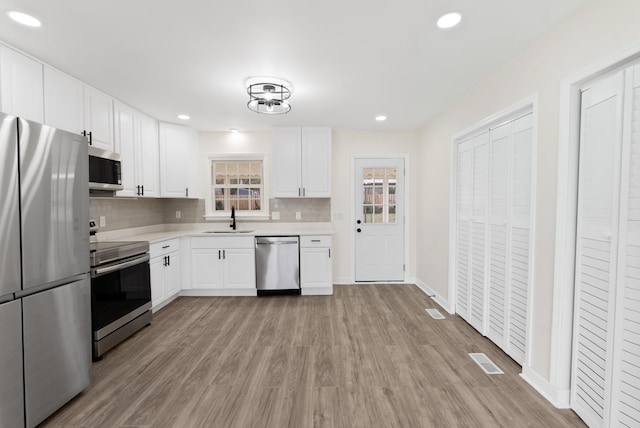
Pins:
x: 368, y: 356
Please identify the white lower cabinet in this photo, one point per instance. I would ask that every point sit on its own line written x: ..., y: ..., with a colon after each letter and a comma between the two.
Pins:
x: 223, y: 264
x: 165, y: 272
x: 315, y: 265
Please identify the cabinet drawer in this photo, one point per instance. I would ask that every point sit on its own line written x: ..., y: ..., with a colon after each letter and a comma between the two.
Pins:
x: 164, y: 247
x: 222, y: 242
x: 315, y: 241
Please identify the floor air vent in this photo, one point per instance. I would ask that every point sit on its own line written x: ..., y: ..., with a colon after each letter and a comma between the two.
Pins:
x: 486, y: 364
x: 435, y: 314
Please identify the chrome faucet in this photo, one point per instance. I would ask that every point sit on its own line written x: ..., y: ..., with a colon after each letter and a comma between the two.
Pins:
x: 233, y: 218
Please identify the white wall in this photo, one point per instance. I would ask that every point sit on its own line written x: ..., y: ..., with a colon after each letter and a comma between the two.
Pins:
x: 602, y: 29
x: 346, y: 144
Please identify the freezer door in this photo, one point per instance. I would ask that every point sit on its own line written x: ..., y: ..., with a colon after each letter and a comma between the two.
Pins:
x: 54, y: 194
x: 57, y: 347
x: 9, y: 210
x: 11, y: 396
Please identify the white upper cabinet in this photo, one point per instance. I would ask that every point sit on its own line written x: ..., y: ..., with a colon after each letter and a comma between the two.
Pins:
x: 63, y: 101
x: 21, y: 85
x: 98, y: 118
x: 301, y: 163
x: 136, y: 139
x: 176, y: 161
x: 148, y: 159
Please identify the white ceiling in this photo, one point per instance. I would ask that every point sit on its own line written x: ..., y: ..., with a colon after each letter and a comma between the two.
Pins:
x: 348, y: 60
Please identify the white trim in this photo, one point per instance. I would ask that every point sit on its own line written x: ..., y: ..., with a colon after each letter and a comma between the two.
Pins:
x: 407, y: 213
x: 342, y: 281
x: 316, y: 291
x: 558, y: 397
x: 219, y: 292
x: 566, y: 204
x: 444, y: 304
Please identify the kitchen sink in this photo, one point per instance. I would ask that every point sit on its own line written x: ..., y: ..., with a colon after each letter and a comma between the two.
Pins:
x: 229, y: 231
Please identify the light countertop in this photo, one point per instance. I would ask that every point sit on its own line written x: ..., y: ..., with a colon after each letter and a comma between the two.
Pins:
x: 163, y: 232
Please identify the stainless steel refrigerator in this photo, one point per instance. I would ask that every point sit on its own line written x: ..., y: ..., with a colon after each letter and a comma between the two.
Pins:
x: 45, y: 318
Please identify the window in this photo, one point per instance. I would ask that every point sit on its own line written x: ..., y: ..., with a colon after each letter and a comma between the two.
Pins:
x: 236, y: 183
x: 379, y: 202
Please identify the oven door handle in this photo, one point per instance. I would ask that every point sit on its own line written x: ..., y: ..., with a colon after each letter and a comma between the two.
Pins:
x: 109, y: 269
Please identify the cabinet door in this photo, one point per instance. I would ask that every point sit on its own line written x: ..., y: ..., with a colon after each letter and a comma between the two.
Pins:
x: 175, y: 155
x: 172, y: 272
x: 125, y: 145
x: 63, y: 101
x: 147, y: 155
x: 206, y: 268
x: 286, y: 163
x: 21, y: 90
x: 239, y: 268
x: 157, y: 272
x: 316, y: 162
x: 315, y: 267
x: 98, y: 118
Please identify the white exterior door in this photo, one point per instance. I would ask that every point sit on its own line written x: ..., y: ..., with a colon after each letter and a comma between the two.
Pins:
x: 379, y: 219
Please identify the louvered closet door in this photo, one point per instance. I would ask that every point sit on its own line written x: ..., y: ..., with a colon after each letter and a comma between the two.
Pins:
x: 501, y: 140
x: 596, y: 243
x: 625, y: 390
x: 519, y: 236
x: 464, y: 193
x: 479, y: 223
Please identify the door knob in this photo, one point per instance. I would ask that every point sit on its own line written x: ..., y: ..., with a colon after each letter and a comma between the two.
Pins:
x: 359, y: 221
x: 358, y: 230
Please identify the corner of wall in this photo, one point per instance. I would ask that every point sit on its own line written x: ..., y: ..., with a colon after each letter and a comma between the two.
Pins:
x: 444, y: 303
x: 560, y: 398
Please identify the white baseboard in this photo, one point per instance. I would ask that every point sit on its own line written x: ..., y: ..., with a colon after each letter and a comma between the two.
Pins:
x: 222, y: 292
x: 444, y: 303
x: 165, y: 302
x: 560, y: 398
x: 316, y: 291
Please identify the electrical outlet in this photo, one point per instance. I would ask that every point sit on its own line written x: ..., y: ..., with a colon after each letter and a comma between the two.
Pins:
x: 275, y: 215
x: 178, y: 214
x: 298, y: 215
x: 103, y: 221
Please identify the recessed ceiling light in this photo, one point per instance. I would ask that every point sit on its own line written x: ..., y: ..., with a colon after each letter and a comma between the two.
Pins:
x: 449, y: 20
x: 183, y: 117
x: 24, y: 19
x: 381, y: 118
x: 234, y: 130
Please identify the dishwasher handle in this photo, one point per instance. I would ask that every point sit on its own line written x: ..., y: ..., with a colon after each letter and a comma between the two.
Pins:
x: 276, y: 242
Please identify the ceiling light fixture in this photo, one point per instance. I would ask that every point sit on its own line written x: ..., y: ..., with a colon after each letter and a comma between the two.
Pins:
x: 24, y: 19
x: 268, y: 95
x: 183, y: 117
x: 449, y: 20
x: 381, y: 118
x: 234, y: 130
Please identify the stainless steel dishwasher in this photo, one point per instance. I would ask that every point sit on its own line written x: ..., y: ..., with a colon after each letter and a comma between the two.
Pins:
x: 277, y: 265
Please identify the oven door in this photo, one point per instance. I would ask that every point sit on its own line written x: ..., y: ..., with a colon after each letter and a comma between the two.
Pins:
x: 120, y: 292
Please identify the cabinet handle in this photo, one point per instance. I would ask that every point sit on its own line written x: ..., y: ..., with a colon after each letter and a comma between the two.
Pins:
x: 137, y: 190
x: 219, y: 254
x: 329, y: 252
x: 142, y: 187
x: 90, y: 138
x: 224, y: 254
x: 315, y: 240
x: 186, y: 191
x: 304, y: 191
x: 164, y: 260
x: 168, y: 260
x: 299, y: 192
x: 165, y: 247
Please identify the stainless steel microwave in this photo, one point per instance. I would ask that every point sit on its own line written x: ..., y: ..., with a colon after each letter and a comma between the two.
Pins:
x: 104, y: 170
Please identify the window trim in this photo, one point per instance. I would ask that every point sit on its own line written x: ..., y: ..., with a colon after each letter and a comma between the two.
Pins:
x: 211, y: 214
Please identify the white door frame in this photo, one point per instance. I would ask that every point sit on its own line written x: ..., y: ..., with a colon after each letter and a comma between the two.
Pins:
x: 566, y: 212
x: 527, y: 105
x: 407, y: 205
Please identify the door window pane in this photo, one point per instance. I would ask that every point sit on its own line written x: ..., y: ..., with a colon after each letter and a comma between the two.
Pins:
x: 379, y: 195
